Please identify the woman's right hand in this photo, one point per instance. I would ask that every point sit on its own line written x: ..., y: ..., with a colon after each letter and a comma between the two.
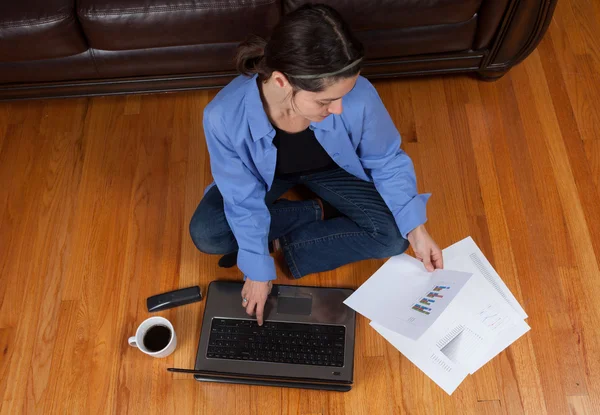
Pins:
x: 254, y: 296
x: 426, y: 250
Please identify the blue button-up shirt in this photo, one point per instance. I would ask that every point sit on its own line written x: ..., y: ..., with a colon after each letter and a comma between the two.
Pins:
x: 362, y: 140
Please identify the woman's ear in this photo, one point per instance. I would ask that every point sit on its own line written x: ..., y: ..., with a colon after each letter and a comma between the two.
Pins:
x: 280, y: 79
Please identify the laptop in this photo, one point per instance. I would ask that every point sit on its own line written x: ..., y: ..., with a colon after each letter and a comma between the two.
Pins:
x: 306, y: 341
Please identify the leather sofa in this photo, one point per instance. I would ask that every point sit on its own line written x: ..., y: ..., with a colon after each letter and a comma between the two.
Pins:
x: 59, y: 48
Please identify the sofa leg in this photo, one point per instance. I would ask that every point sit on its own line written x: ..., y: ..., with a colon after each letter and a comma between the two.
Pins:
x: 490, y: 76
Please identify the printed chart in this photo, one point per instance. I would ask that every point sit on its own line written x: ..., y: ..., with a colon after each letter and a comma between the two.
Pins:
x: 427, y: 302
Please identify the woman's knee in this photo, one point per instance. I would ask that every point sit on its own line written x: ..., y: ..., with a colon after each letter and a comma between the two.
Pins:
x: 390, y: 239
x: 210, y: 231
x: 392, y: 244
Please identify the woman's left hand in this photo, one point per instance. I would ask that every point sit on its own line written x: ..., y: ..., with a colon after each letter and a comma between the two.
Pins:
x: 426, y: 250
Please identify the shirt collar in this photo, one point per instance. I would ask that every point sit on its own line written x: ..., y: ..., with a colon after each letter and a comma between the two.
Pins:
x: 260, y: 126
x: 326, y: 124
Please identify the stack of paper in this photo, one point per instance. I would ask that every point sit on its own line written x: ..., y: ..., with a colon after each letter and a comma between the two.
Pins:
x: 449, y: 323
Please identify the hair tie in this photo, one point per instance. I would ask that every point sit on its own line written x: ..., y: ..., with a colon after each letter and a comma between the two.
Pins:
x: 329, y: 74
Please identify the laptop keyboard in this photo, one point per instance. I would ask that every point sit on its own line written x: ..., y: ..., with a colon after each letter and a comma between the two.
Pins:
x: 296, y: 343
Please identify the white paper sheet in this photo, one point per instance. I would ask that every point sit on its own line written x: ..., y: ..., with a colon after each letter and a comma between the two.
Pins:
x: 466, y: 256
x: 489, y: 308
x: 407, y: 302
x: 445, y: 373
x: 482, y: 320
x: 471, y: 324
x: 504, y: 339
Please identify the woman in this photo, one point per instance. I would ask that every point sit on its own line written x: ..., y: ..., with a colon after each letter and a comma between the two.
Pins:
x: 301, y: 114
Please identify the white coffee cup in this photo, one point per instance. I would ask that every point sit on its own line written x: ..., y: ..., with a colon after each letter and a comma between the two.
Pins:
x: 142, y: 330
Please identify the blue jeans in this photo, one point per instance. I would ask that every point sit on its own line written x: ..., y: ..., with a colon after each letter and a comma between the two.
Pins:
x: 367, y: 229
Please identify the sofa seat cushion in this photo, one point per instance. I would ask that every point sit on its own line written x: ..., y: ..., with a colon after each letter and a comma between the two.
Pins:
x: 139, y: 24
x: 34, y: 29
x: 423, y: 40
x: 397, y: 14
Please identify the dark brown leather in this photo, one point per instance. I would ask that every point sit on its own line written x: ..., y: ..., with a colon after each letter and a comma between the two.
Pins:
x: 119, y: 64
x: 185, y: 45
x: 394, y: 14
x: 523, y: 31
x: 219, y: 57
x: 419, y: 40
x: 159, y: 61
x: 31, y: 29
x: 490, y: 15
x: 80, y: 66
x: 140, y: 24
x: 410, y: 66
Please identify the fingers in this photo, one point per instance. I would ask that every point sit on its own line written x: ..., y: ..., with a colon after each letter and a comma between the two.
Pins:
x: 427, y: 262
x: 244, y: 297
x: 426, y: 259
x: 438, y: 259
x: 255, y: 295
x: 250, y: 306
x: 426, y: 250
x: 260, y: 309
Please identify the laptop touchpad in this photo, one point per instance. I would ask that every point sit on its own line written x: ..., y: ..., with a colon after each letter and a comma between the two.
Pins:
x: 294, y: 305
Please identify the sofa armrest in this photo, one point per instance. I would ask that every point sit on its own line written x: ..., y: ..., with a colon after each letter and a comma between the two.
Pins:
x: 491, y: 14
x: 524, y: 24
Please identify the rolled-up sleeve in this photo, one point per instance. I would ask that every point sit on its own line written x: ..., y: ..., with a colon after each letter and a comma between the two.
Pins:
x: 389, y: 166
x: 244, y: 203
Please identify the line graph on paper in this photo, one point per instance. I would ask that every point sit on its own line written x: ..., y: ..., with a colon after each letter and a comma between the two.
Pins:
x: 493, y: 318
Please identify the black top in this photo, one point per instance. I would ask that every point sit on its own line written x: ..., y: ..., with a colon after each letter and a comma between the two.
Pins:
x: 300, y: 153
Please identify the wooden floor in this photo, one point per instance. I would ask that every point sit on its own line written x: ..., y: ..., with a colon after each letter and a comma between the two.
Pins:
x: 96, y: 195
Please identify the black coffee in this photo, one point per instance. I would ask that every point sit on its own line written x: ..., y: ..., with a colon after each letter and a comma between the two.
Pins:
x: 157, y: 338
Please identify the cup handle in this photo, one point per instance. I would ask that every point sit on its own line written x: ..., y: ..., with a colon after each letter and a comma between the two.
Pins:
x: 132, y: 342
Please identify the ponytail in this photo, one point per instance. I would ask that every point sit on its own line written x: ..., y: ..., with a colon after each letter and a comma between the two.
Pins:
x: 250, y: 56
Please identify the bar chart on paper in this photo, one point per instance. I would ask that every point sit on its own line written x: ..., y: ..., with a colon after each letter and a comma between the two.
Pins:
x: 409, y: 303
x: 426, y: 303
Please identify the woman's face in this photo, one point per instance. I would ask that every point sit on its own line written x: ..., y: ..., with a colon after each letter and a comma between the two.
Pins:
x: 316, y: 106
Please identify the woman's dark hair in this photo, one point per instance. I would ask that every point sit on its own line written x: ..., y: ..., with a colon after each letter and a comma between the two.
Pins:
x: 311, y: 40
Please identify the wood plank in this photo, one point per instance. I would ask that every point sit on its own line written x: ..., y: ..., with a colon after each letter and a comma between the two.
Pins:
x: 582, y: 405
x: 67, y: 313
x: 436, y: 142
x: 397, y: 97
x: 491, y: 407
x: 579, y: 63
x: 189, y: 122
x: 4, y: 121
x: 592, y: 151
x: 33, y: 257
x: 516, y: 217
x: 574, y: 145
x: 583, y: 245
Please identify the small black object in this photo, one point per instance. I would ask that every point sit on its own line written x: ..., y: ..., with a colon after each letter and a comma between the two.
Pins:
x: 173, y: 299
